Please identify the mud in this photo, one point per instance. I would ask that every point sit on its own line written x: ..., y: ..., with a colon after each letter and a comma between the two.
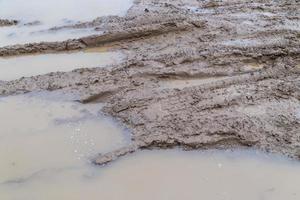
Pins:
x: 245, y: 55
x: 6, y: 22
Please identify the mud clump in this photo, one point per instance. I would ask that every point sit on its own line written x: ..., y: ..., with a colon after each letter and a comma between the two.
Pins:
x: 244, y: 54
x: 6, y: 22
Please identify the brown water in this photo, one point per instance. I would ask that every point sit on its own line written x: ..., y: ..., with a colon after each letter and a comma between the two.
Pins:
x: 25, y: 66
x: 170, y: 174
x: 42, y: 134
x: 54, y: 13
x: 47, y: 142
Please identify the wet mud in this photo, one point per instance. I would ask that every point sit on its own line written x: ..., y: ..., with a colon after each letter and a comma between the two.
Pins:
x: 7, y: 22
x: 239, y: 62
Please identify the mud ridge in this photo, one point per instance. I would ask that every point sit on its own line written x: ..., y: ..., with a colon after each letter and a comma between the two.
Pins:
x: 7, y: 22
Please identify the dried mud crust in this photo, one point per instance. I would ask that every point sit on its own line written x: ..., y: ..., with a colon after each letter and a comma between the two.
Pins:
x: 198, y: 75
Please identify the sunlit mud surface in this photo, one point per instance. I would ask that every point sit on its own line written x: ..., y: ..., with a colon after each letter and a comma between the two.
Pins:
x: 42, y: 134
x: 167, y: 175
x: 36, y: 17
x: 25, y: 66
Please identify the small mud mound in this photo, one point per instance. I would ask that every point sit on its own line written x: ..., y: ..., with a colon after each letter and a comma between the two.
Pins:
x: 6, y: 22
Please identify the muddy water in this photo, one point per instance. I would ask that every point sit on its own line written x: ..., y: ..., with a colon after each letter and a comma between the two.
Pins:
x: 40, y: 133
x: 167, y: 175
x: 46, y: 142
x: 22, y: 34
x: 43, y: 13
x: 25, y: 66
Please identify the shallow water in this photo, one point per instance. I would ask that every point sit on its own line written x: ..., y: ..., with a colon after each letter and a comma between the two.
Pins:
x: 25, y: 66
x: 51, y: 13
x: 21, y: 34
x: 170, y: 174
x: 40, y: 133
x: 47, y: 142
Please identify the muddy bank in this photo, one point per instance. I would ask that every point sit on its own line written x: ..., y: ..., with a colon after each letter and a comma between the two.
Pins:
x: 93, y: 41
x: 6, y: 22
x: 244, y: 56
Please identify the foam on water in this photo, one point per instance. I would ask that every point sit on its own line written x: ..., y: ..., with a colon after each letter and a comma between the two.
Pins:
x: 25, y: 66
x: 51, y: 13
x: 171, y: 174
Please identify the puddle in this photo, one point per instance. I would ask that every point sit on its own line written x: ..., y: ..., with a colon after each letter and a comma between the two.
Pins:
x: 43, y: 12
x: 25, y: 66
x: 182, y: 83
x: 40, y: 133
x: 171, y: 174
x: 99, y: 49
x: 31, y: 34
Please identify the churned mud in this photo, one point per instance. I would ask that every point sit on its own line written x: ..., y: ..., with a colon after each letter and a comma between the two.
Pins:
x: 7, y: 22
x: 198, y: 75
